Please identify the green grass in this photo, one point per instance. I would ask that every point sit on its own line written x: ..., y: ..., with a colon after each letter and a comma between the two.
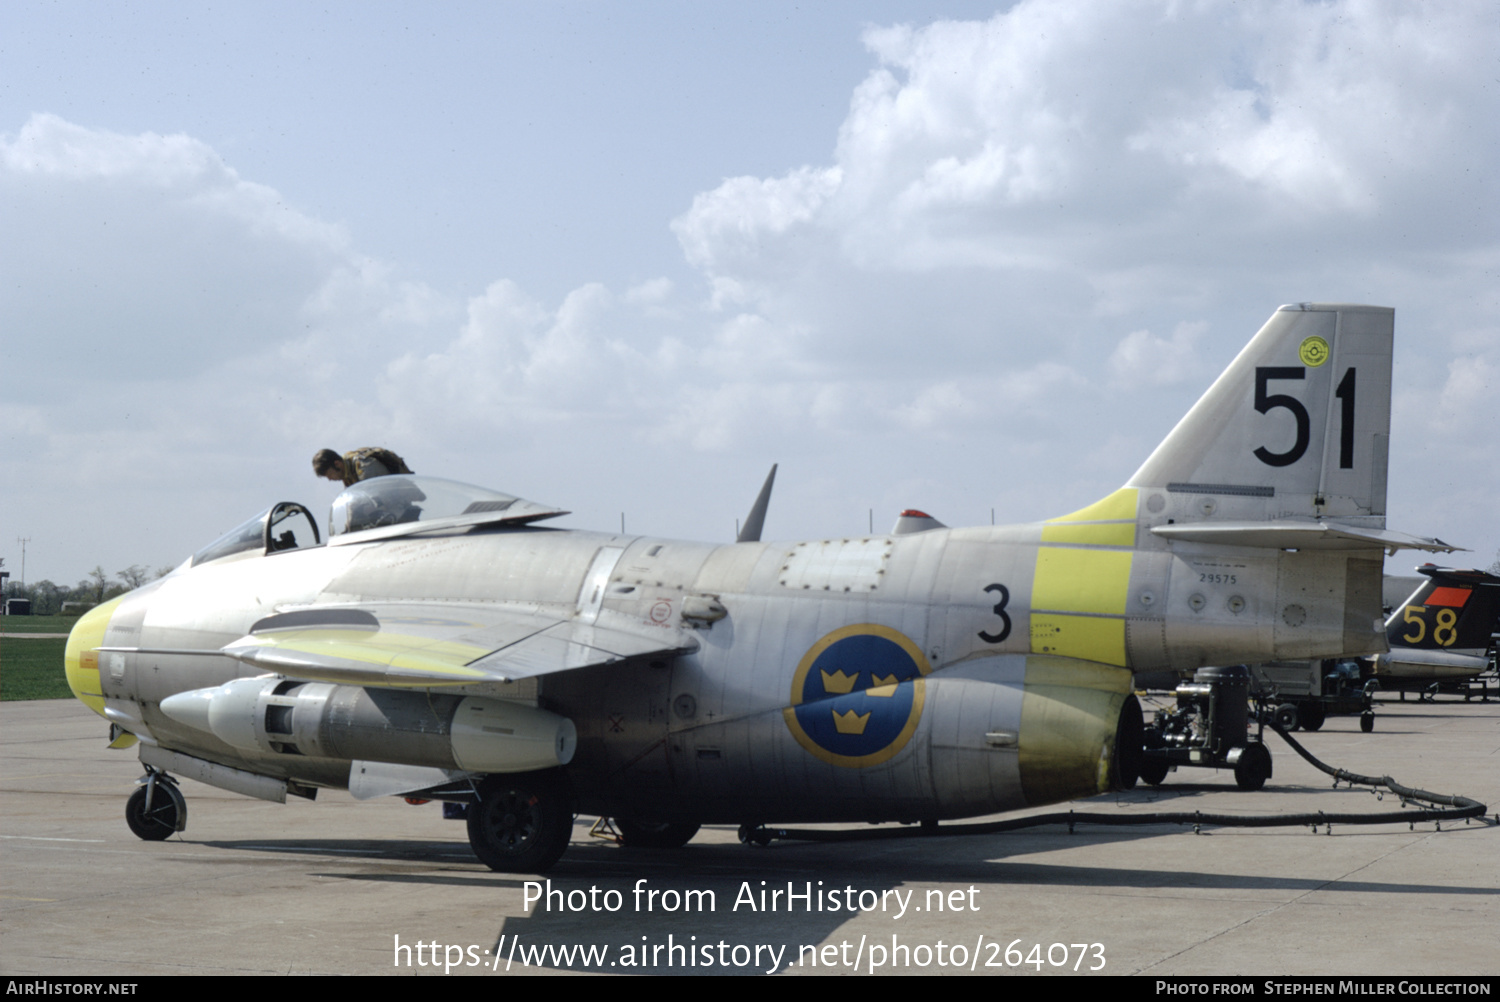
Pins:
x: 32, y: 669
x: 37, y: 624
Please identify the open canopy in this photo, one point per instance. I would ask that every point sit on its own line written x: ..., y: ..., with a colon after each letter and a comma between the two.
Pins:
x: 404, y: 504
x: 379, y: 508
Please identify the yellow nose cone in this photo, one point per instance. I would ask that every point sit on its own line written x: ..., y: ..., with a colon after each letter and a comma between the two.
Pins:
x: 81, y: 659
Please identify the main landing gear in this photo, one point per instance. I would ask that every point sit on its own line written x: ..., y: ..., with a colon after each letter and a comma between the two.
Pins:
x: 522, y: 822
x: 156, y: 809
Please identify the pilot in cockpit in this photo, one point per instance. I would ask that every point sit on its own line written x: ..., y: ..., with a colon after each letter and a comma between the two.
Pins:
x: 361, y: 464
x: 381, y: 504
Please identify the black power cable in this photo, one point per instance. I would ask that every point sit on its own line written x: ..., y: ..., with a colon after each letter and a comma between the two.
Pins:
x: 1456, y: 808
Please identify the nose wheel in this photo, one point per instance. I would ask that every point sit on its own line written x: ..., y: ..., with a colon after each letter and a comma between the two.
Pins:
x: 156, y: 809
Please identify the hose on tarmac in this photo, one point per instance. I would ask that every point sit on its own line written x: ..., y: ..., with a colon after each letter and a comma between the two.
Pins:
x: 1443, y: 808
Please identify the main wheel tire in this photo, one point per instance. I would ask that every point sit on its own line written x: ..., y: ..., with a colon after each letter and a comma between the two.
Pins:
x: 1130, y: 740
x: 654, y: 834
x: 1253, y: 768
x: 159, y: 822
x: 1310, y: 715
x: 1367, y: 722
x: 1154, y: 773
x: 1285, y: 716
x: 522, y: 822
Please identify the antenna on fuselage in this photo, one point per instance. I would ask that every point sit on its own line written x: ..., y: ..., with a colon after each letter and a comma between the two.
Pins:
x: 756, y: 520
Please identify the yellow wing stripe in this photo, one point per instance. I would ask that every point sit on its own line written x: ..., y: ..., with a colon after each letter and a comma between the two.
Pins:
x: 395, y: 650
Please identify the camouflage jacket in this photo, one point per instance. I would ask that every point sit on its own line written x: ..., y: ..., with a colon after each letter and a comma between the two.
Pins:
x: 365, y: 464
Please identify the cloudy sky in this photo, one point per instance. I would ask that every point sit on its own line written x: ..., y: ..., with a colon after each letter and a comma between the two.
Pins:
x: 621, y: 258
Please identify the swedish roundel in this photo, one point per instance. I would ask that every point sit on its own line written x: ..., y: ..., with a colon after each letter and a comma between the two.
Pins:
x: 857, y: 695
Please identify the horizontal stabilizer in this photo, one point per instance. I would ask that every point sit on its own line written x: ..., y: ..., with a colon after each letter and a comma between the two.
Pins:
x: 1288, y: 535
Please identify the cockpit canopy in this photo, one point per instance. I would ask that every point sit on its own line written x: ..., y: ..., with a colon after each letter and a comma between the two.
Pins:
x: 372, y: 508
x: 379, y: 508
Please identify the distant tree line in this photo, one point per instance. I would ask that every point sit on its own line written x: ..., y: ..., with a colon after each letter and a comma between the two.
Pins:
x: 47, y: 598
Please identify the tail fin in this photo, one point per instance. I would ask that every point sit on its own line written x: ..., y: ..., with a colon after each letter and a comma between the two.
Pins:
x: 1453, y: 610
x: 1297, y: 426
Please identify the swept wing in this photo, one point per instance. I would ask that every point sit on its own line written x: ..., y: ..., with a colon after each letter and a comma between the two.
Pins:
x: 419, y: 645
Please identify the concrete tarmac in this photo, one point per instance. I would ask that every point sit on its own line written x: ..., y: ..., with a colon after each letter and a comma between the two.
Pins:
x: 381, y: 887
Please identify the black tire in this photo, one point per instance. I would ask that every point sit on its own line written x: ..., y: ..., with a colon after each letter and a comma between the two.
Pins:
x: 1310, y: 715
x: 522, y: 822
x: 1253, y: 768
x: 1367, y: 722
x: 654, y: 834
x: 157, y: 824
x: 754, y: 834
x: 1285, y: 716
x: 1154, y: 773
x: 1130, y: 739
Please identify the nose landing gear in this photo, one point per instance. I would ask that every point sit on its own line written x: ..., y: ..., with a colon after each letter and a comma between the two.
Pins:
x: 156, y: 809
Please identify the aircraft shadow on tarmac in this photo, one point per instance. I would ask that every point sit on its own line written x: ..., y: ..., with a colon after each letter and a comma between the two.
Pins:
x: 635, y: 940
x: 592, y: 854
x: 371, y: 849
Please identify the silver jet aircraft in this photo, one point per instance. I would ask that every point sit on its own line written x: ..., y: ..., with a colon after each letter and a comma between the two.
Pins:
x: 442, y: 644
